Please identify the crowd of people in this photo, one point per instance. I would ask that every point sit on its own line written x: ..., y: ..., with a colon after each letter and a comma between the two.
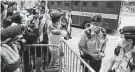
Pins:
x: 39, y: 25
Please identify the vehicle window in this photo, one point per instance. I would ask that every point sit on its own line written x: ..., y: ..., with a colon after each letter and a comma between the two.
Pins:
x: 84, y: 4
x: 95, y: 4
x: 52, y: 2
x: 67, y: 4
x: 110, y: 5
x: 59, y: 3
x: 76, y: 3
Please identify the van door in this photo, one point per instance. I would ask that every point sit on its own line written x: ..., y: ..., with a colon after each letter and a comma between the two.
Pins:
x: 76, y: 13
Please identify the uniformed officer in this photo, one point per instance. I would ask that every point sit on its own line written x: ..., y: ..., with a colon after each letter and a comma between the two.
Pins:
x: 93, y: 43
x: 124, y: 54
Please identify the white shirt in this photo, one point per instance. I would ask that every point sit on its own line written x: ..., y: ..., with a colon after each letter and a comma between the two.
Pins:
x: 55, y: 39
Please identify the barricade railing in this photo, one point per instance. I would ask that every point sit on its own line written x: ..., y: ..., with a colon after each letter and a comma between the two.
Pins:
x: 41, y: 58
x: 52, y: 58
x: 72, y: 62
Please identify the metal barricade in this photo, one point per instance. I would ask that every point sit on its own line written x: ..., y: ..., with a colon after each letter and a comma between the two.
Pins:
x: 41, y: 58
x: 72, y: 62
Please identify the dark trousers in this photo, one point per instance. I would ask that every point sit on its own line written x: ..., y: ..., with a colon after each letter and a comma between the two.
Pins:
x: 95, y: 64
x: 26, y: 61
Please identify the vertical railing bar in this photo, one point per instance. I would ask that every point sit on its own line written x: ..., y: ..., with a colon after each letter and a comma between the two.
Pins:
x: 76, y: 63
x: 60, y: 59
x: 66, y: 57
x: 64, y: 66
x: 80, y: 66
x: 63, y: 59
x: 42, y: 58
x: 23, y: 61
x: 71, y: 62
x: 68, y: 60
x: 47, y: 59
x: 53, y: 57
x: 29, y: 55
x: 35, y: 57
x: 84, y: 68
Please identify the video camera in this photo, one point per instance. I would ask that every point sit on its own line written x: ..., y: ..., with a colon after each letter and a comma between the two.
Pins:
x: 13, y: 33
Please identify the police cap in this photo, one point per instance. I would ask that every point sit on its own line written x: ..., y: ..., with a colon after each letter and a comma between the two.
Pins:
x: 97, y: 18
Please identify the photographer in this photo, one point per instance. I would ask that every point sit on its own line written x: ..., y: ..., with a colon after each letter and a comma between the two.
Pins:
x: 9, y: 54
x: 11, y: 58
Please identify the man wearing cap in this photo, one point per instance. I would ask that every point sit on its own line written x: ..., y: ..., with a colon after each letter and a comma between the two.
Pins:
x: 55, y: 34
x: 123, y: 59
x: 93, y: 43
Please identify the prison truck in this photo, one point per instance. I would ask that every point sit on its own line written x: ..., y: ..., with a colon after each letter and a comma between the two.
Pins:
x: 82, y: 11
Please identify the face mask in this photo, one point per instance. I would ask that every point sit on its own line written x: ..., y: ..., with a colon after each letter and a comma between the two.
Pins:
x: 93, y: 27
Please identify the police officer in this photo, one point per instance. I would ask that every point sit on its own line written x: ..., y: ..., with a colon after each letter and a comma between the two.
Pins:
x: 123, y: 53
x: 92, y: 43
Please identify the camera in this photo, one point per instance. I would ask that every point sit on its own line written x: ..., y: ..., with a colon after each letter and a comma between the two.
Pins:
x: 15, y: 35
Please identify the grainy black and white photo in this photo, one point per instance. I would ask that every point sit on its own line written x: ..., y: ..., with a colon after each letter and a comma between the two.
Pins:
x: 67, y: 36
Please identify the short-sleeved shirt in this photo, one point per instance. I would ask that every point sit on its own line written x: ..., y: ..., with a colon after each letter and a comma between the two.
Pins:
x: 95, y: 41
x: 123, y: 57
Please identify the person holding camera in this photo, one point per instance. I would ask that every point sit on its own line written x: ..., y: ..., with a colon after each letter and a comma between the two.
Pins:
x: 11, y: 58
x: 93, y: 43
x: 9, y: 54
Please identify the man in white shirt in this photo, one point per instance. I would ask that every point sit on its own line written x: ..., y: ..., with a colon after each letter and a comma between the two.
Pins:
x: 55, y: 34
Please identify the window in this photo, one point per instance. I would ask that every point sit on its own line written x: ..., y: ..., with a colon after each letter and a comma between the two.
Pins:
x: 58, y: 3
x: 84, y: 4
x: 76, y: 3
x: 95, y: 4
x: 52, y: 2
x: 67, y: 4
x: 110, y: 5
